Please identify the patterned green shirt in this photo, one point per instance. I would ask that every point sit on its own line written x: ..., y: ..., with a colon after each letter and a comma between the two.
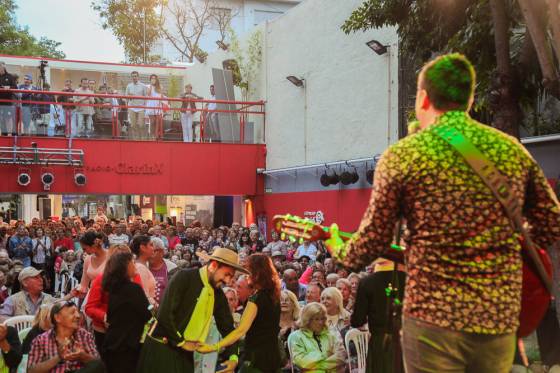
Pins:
x: 463, y: 259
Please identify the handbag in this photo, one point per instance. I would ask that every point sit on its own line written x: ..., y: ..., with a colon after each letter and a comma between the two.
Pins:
x: 537, y: 266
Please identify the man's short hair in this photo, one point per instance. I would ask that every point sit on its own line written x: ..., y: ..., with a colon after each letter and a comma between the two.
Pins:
x: 81, y: 80
x: 134, y: 72
x: 449, y: 81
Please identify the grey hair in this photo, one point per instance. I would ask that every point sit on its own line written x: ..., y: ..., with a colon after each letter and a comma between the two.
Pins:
x: 336, y: 296
x: 309, y: 311
x: 158, y: 243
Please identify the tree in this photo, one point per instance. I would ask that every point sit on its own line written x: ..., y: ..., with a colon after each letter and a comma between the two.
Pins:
x: 17, y: 40
x: 247, y: 61
x: 515, y: 68
x: 188, y: 20
x: 135, y: 23
x: 221, y: 18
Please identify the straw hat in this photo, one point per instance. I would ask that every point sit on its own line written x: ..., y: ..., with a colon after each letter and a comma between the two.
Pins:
x: 225, y: 256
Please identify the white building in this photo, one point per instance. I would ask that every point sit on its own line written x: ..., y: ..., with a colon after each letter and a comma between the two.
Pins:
x: 245, y: 15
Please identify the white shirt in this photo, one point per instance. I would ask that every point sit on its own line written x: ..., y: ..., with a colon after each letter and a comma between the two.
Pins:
x: 118, y: 239
x: 310, y: 251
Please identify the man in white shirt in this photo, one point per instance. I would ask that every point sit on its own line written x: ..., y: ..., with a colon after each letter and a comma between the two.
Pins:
x: 212, y: 129
x: 138, y: 128
x: 120, y: 236
x: 307, y: 249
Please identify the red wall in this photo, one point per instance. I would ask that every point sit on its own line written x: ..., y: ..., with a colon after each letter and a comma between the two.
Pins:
x: 177, y: 168
x: 344, y: 207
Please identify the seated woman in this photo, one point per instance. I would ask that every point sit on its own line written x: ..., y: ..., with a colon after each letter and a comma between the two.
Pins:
x: 41, y: 324
x: 338, y: 319
x: 289, y: 315
x: 314, y: 348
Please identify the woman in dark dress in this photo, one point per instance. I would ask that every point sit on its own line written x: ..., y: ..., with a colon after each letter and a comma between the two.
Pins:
x: 260, y: 321
x: 127, y: 314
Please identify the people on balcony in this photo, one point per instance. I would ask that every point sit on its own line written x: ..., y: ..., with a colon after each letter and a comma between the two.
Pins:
x: 187, y: 113
x: 154, y: 111
x: 84, y: 111
x: 138, y: 128
x: 7, y: 109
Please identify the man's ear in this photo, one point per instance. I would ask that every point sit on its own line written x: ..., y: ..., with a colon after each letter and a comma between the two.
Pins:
x: 425, y: 102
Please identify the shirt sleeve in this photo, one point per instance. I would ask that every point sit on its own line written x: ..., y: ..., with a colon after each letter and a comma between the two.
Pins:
x: 37, y: 353
x: 94, y: 307
x: 88, y: 343
x: 377, y: 226
x: 7, y: 307
x: 542, y: 209
x: 13, y: 357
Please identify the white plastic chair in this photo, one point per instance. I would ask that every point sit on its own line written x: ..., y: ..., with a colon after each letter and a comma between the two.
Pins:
x: 20, y: 322
x: 361, y: 342
x: 23, y: 333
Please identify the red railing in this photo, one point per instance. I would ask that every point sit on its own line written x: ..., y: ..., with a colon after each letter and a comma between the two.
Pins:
x: 238, y: 111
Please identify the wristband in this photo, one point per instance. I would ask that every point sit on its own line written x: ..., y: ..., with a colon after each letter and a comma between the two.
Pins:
x: 234, y: 358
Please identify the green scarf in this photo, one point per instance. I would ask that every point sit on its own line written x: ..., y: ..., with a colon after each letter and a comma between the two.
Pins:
x: 199, y: 324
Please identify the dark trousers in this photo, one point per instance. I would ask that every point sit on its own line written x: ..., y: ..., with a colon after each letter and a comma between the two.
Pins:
x: 428, y: 348
x: 99, y: 341
x: 94, y: 366
x: 548, y: 336
x: 121, y: 361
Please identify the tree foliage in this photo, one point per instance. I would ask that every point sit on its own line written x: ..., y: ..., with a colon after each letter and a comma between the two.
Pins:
x: 479, y: 30
x: 248, y: 59
x: 127, y: 19
x: 17, y: 40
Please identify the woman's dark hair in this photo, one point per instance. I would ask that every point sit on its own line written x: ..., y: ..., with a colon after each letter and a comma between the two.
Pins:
x: 264, y: 275
x: 116, y: 271
x: 245, y: 234
x: 157, y: 86
x: 137, y: 242
x: 89, y: 238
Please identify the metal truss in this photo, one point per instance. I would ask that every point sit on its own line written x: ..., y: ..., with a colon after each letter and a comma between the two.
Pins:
x: 27, y: 156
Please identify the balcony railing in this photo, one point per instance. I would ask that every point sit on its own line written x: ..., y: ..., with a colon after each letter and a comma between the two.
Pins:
x: 110, y: 116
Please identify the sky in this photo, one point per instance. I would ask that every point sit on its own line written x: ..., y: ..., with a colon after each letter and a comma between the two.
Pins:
x: 72, y: 23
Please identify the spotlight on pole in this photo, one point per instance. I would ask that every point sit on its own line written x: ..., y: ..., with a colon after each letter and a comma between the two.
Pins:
x: 24, y: 177
x: 325, y: 179
x: 47, y: 178
x: 377, y: 47
x: 348, y: 177
x: 80, y: 178
x: 295, y: 81
x: 369, y: 176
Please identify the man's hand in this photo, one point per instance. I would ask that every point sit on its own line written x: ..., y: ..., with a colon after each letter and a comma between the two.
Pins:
x: 230, y: 366
x: 3, y: 332
x: 204, y: 348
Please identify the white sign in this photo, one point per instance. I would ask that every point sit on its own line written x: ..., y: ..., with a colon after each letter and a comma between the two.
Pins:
x: 317, y: 216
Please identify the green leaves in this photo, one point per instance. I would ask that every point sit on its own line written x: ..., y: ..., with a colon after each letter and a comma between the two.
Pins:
x: 128, y: 19
x: 17, y: 40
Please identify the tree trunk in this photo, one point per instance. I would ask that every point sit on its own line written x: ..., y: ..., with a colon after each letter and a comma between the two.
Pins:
x: 506, y: 111
x: 554, y: 22
x: 537, y: 28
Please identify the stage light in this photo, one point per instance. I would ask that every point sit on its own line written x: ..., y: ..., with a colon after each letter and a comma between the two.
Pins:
x: 377, y: 47
x: 325, y: 180
x: 369, y: 176
x: 80, y: 178
x: 47, y: 178
x: 295, y: 81
x: 334, y: 178
x: 24, y: 178
x: 348, y: 177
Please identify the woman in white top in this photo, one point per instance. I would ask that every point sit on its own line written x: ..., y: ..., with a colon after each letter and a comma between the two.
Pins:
x: 42, y: 246
x: 154, y: 110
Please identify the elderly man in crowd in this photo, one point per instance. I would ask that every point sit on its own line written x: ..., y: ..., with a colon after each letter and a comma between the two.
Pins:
x: 290, y: 282
x: 120, y: 236
x: 28, y: 300
x: 65, y: 347
x: 160, y: 267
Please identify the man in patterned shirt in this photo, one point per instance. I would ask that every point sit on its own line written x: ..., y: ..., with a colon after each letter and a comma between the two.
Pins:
x: 463, y: 290
x: 65, y: 347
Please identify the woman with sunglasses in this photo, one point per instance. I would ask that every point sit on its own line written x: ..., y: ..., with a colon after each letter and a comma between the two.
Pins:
x: 126, y: 315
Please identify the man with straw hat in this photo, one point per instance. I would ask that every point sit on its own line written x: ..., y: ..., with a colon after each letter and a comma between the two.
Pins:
x: 190, y: 300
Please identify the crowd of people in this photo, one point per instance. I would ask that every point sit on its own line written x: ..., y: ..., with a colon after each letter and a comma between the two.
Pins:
x: 307, y: 307
x: 137, y: 118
